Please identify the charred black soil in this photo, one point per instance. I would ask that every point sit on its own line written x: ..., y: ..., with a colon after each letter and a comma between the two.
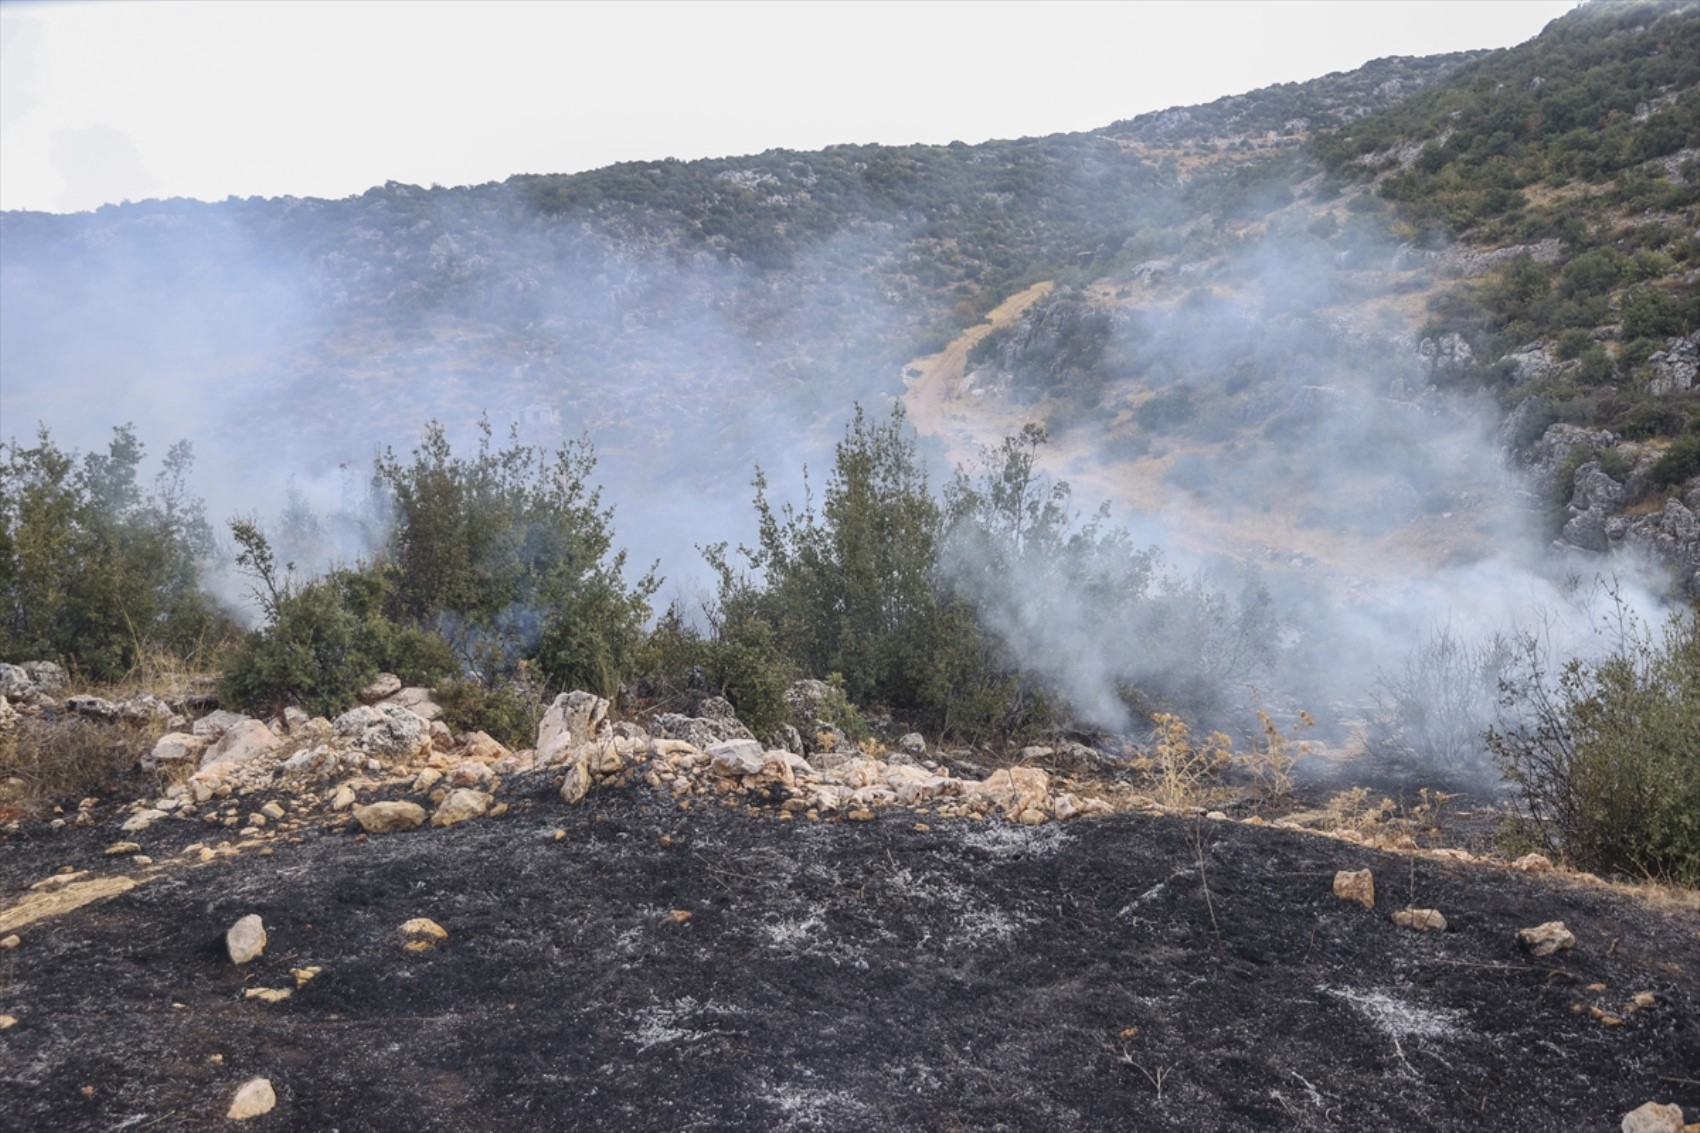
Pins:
x: 1125, y: 972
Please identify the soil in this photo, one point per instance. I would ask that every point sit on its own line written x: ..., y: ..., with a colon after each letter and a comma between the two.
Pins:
x: 907, y: 973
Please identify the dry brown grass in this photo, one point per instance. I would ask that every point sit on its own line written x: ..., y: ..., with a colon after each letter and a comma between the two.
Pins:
x: 43, y: 762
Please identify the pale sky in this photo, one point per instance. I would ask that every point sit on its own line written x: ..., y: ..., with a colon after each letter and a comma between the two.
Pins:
x: 102, y: 102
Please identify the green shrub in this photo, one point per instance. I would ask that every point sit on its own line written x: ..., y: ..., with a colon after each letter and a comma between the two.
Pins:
x: 1680, y: 462
x: 1603, y: 754
x: 95, y: 568
x: 323, y: 640
x: 508, y: 713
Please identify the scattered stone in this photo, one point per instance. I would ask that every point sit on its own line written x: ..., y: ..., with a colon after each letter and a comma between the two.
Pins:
x: 253, y: 1098
x: 141, y: 820
x: 268, y: 994
x: 421, y: 934
x: 577, y: 783
x: 245, y: 939
x: 387, y: 684
x: 304, y: 976
x: 573, y: 719
x: 1652, y: 1117
x: 1545, y: 939
x: 389, y: 817
x: 914, y: 744
x: 459, y: 805
x: 679, y: 916
x: 1420, y: 920
x: 119, y: 848
x: 344, y: 798
x: 384, y: 729
x: 417, y: 701
x: 273, y: 810
x: 7, y: 1022
x: 1355, y: 885
x: 10, y: 942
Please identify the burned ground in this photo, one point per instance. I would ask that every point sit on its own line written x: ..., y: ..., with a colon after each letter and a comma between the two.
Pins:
x: 1128, y: 972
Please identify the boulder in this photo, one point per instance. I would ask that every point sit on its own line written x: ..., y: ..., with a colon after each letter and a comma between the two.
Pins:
x: 241, y: 742
x: 47, y: 676
x: 1676, y: 368
x: 1014, y: 790
x: 15, y: 683
x: 577, y: 783
x: 479, y: 745
x: 214, y: 724
x: 572, y: 719
x: 389, y: 817
x: 174, y: 748
x: 415, y: 700
x: 386, y: 684
x: 384, y: 730
x: 8, y: 716
x: 736, y: 757
x: 459, y: 805
x: 699, y: 731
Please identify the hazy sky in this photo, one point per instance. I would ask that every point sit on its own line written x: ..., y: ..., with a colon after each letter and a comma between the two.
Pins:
x: 100, y: 102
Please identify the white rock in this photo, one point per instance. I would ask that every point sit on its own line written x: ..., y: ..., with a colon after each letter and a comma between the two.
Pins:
x: 1355, y: 885
x: 245, y: 939
x: 1545, y: 939
x: 573, y: 719
x: 240, y: 742
x: 252, y: 1099
x: 1653, y: 1118
x: 386, y: 684
x: 415, y: 700
x: 141, y: 820
x: 215, y: 724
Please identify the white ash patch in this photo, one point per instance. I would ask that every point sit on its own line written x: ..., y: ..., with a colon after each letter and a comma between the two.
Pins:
x: 678, y: 1022
x: 806, y: 1107
x: 1397, y: 1019
x: 1004, y: 841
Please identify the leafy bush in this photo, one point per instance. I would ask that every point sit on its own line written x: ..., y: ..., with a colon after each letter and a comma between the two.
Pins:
x: 323, y: 640
x: 1680, y: 462
x: 509, y: 554
x: 93, y: 568
x: 508, y: 713
x: 1602, y: 753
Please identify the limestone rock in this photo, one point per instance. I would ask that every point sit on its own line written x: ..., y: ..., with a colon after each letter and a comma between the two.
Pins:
x: 1355, y: 885
x: 479, y: 745
x: 119, y: 849
x: 572, y: 719
x: 344, y: 798
x: 253, y: 1098
x: 245, y: 939
x: 1533, y: 863
x: 1545, y: 939
x: 421, y: 934
x: 913, y: 744
x: 214, y: 724
x: 1420, y: 920
x: 175, y: 747
x: 459, y: 805
x: 384, y: 730
x: 1653, y: 1117
x: 1676, y: 368
x: 8, y: 715
x: 577, y: 783
x: 268, y: 994
x: 700, y: 731
x: 386, y: 684
x: 389, y: 817
x: 240, y: 742
x: 415, y: 700
x: 1014, y: 790
x: 736, y: 757
x: 141, y: 820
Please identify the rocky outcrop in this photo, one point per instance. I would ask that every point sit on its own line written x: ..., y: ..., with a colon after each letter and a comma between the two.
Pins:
x: 1676, y: 368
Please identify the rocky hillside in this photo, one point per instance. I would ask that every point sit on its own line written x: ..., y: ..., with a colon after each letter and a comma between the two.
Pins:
x: 686, y: 315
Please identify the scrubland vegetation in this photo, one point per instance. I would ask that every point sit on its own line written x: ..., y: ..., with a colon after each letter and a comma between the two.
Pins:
x: 498, y: 580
